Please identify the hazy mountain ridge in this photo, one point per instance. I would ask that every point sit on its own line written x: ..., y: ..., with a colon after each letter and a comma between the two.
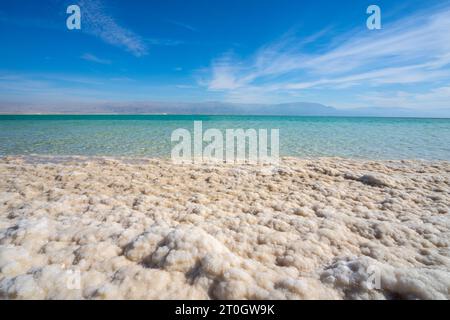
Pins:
x: 223, y: 108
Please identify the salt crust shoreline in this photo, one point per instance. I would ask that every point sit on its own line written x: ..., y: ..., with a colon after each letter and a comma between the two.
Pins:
x: 150, y: 229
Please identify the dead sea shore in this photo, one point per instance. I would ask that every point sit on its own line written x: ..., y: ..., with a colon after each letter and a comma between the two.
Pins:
x: 324, y: 228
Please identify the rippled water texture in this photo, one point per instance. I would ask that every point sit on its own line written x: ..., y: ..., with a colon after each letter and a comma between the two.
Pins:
x: 149, y: 135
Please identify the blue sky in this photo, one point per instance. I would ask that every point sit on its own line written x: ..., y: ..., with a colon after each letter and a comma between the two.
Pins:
x: 232, y: 51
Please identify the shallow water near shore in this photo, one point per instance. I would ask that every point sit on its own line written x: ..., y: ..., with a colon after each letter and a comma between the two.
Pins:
x: 149, y: 135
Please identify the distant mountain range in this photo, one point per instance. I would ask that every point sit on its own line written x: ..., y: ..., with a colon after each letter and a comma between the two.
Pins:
x: 222, y: 108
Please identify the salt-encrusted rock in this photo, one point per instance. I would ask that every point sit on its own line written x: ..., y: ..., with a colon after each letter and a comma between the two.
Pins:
x: 128, y: 229
x: 376, y: 180
x: 367, y: 278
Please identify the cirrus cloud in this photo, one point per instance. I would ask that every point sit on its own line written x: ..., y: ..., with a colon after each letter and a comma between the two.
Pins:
x: 96, y: 22
x: 412, y: 51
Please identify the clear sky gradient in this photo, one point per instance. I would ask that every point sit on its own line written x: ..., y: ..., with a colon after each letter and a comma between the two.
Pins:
x: 245, y: 51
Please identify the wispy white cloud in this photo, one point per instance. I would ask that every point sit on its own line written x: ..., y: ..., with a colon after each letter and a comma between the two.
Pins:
x: 163, y: 42
x: 411, y: 51
x: 54, y: 88
x: 92, y: 58
x: 182, y: 25
x: 435, y: 98
x: 97, y: 22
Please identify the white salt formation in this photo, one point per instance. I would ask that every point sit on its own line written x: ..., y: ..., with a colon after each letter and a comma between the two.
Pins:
x: 149, y: 229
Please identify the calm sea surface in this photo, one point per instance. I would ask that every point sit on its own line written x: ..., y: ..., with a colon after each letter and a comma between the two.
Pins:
x: 149, y: 135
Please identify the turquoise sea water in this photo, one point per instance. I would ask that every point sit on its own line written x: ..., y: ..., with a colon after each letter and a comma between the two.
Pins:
x: 149, y: 135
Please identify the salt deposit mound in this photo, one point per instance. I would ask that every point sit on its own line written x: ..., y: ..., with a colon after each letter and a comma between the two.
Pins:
x: 79, y: 228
